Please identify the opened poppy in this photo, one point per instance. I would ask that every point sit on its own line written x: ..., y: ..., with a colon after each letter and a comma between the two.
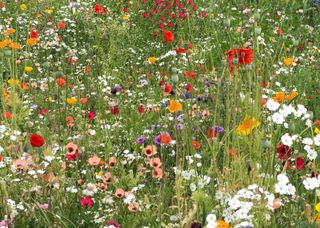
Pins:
x: 36, y: 140
x: 168, y: 36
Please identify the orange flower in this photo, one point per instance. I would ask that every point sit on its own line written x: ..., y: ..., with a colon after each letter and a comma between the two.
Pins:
x: 247, y: 126
x: 288, y: 62
x: 32, y: 41
x: 24, y: 86
x: 279, y: 97
x: 175, y: 106
x: 292, y: 95
x: 165, y: 139
x: 84, y: 100
x: 7, y: 115
x: 15, y: 45
x: 5, y: 43
x: 9, y: 31
x: 222, y: 224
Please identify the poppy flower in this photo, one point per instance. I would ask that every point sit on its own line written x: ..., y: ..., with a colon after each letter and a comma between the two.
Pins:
x: 86, y: 201
x: 168, y: 36
x: 284, y: 152
x: 196, y: 144
x: 7, y: 115
x: 61, y: 81
x: 99, y: 9
x: 115, y: 110
x: 150, y: 150
x: 165, y: 139
x: 190, y: 74
x: 119, y: 193
x: 36, y: 140
x: 61, y: 25
x: 157, y: 173
x: 94, y: 160
x: 133, y: 207
x: 300, y: 163
x: 243, y: 55
x: 141, y: 109
x: 112, y: 162
x: 175, y: 106
x: 34, y: 34
x: 42, y: 112
x: 181, y: 50
x: 167, y: 88
x: 246, y: 127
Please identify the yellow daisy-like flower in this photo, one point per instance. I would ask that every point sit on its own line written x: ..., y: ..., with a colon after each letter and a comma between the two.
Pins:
x: 246, y: 127
x: 317, y: 207
x: 126, y: 17
x: 175, y: 106
x: 9, y: 31
x: 152, y: 60
x: 13, y: 82
x: 28, y: 69
x: 23, y: 7
x: 48, y: 11
x: 317, y: 131
x: 72, y: 100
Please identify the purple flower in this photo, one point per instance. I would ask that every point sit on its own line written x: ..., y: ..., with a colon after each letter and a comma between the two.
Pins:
x: 179, y: 126
x: 157, y: 140
x: 141, y: 139
x: 218, y: 129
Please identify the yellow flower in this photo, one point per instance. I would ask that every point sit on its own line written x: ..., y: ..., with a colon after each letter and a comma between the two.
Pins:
x: 23, y: 7
x: 317, y: 131
x: 246, y: 127
x: 9, y: 31
x: 152, y: 60
x: 48, y: 11
x: 317, y: 207
x: 28, y: 69
x: 14, y: 45
x: 72, y: 100
x: 125, y: 17
x: 175, y: 106
x: 288, y: 62
x: 32, y: 41
x: 13, y: 82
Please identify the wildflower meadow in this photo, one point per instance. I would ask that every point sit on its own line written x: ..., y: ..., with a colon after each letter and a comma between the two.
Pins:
x: 159, y: 113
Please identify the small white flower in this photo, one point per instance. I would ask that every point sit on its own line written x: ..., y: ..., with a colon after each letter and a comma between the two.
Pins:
x: 278, y: 118
x: 287, y: 140
x: 272, y: 105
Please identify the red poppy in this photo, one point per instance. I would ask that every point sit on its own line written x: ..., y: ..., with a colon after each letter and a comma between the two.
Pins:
x: 196, y: 144
x: 99, y: 9
x: 61, y: 25
x: 86, y: 69
x: 7, y: 115
x: 115, y: 110
x: 190, y: 74
x: 284, y: 152
x: 36, y: 140
x: 167, y: 88
x: 1, y: 158
x: 181, y: 50
x: 168, y: 36
x: 243, y: 55
x: 34, y: 34
x: 189, y: 88
x: 42, y: 112
x: 61, y: 81
x: 300, y: 163
x: 86, y: 201
x: 317, y: 123
x: 165, y: 139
